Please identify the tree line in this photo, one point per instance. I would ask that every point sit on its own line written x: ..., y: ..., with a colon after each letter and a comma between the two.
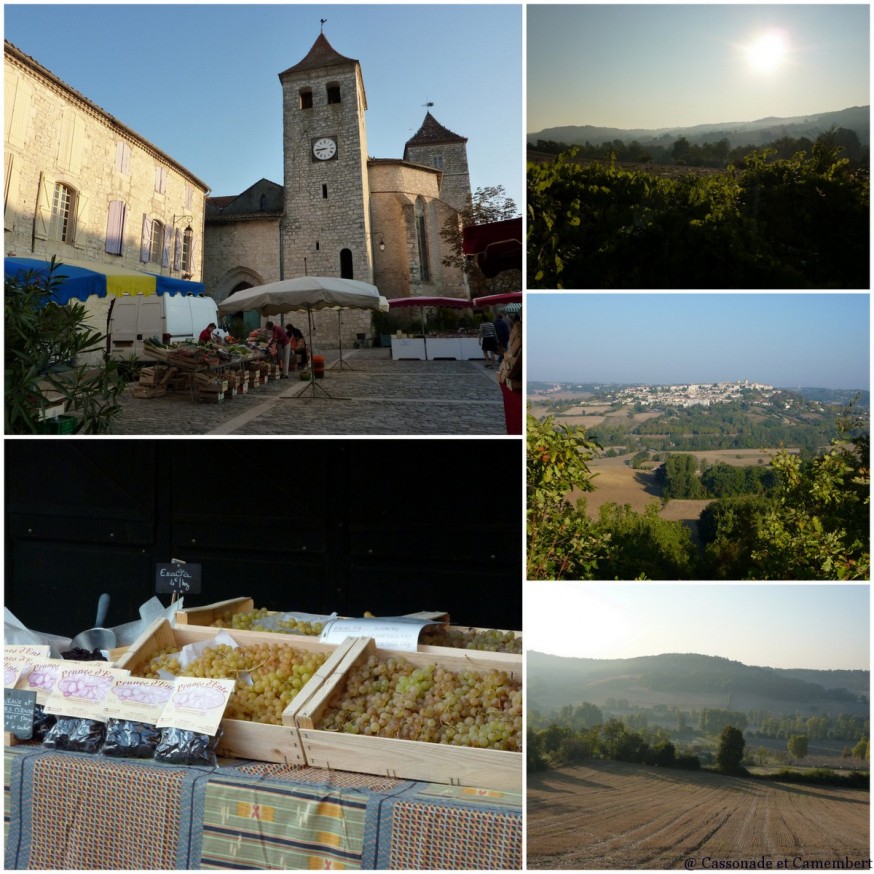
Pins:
x: 717, y: 154
x: 813, y: 524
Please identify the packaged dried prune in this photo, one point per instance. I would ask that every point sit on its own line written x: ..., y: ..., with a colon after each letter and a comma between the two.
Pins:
x: 126, y: 738
x: 75, y: 734
x: 181, y: 746
x: 42, y: 722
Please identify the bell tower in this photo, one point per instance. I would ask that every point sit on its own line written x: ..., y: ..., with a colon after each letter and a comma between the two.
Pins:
x: 326, y: 225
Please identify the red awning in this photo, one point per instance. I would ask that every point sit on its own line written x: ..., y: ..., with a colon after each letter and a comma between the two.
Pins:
x: 496, y: 246
x: 429, y: 302
x: 498, y: 299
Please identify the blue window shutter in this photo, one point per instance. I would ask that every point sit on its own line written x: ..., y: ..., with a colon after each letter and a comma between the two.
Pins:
x: 147, y: 239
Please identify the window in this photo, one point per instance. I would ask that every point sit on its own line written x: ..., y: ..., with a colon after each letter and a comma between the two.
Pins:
x: 189, y: 196
x: 424, y: 266
x: 346, y: 264
x: 437, y: 162
x: 306, y: 98
x: 333, y: 93
x: 115, y: 227
x: 160, y: 179
x: 156, y: 242
x: 187, y: 246
x: 62, y: 224
x: 324, y: 192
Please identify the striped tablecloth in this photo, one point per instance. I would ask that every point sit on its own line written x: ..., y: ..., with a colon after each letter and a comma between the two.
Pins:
x: 67, y: 811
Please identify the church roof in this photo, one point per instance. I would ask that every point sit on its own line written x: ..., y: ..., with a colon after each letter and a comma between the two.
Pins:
x: 432, y: 132
x: 322, y: 54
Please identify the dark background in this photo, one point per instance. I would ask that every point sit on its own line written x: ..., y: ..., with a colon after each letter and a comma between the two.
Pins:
x: 390, y: 526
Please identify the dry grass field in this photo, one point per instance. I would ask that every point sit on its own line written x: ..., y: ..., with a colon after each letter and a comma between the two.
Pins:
x: 619, y: 816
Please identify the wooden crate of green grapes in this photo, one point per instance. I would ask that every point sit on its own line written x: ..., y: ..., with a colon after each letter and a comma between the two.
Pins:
x: 258, y: 722
x: 242, y: 613
x: 453, y: 717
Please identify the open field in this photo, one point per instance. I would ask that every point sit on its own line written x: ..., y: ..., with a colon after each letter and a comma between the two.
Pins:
x: 617, y: 815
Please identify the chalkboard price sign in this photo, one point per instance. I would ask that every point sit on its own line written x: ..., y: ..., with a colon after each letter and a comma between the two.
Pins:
x: 18, y: 707
x: 181, y: 579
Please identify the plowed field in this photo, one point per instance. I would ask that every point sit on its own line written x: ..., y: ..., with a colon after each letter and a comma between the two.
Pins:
x: 616, y: 815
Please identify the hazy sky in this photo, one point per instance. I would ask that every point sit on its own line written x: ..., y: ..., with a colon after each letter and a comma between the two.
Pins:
x: 653, y: 66
x: 201, y: 81
x: 786, y: 340
x: 779, y: 626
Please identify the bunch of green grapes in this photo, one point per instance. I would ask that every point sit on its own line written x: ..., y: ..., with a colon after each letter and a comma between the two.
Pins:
x: 393, y: 698
x: 246, y: 620
x: 268, y: 675
x: 489, y: 640
x: 166, y: 659
x: 250, y: 620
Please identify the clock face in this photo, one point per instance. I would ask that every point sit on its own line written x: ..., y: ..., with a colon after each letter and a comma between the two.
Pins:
x: 324, y: 148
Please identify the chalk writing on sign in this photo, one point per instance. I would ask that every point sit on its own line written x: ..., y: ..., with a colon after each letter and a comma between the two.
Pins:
x: 181, y: 578
x: 18, y: 707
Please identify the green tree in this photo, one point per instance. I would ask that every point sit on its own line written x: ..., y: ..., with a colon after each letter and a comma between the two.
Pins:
x: 730, y: 752
x: 562, y: 542
x: 487, y: 205
x: 45, y: 347
x: 681, y: 480
x: 797, y: 746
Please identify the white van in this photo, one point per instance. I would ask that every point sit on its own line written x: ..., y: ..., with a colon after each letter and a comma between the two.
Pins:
x: 134, y: 318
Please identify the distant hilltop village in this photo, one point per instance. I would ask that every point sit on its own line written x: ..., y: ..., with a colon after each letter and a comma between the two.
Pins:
x: 687, y: 395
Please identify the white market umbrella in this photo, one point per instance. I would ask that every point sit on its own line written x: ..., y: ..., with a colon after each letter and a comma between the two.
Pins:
x: 305, y: 293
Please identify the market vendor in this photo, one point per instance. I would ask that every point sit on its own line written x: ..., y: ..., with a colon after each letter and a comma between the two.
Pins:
x: 298, y: 346
x: 206, y: 333
x: 280, y: 340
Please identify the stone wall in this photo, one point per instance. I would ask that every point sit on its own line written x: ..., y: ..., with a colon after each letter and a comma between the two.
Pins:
x: 54, y: 135
x: 237, y: 252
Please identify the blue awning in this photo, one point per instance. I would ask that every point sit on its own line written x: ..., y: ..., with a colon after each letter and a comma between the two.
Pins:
x: 82, y: 279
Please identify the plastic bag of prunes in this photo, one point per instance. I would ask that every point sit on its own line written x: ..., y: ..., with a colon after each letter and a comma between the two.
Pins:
x: 75, y: 734
x: 181, y: 746
x: 127, y: 738
x: 42, y: 722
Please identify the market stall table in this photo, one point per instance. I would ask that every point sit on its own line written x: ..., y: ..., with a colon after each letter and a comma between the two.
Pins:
x: 67, y: 811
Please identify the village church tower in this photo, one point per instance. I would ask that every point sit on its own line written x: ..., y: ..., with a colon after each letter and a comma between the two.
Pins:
x: 339, y: 211
x: 326, y: 230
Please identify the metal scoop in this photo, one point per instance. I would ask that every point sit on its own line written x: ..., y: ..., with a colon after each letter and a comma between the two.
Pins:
x: 98, y: 637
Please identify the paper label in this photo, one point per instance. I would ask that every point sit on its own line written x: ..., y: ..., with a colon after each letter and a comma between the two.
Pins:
x: 137, y: 698
x: 398, y: 633
x: 18, y: 658
x: 197, y: 704
x: 81, y: 690
x: 40, y: 677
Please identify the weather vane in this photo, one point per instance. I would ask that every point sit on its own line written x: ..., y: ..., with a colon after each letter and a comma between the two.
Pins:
x: 323, y: 20
x: 429, y: 104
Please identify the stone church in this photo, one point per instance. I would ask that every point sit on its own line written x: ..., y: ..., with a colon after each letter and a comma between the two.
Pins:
x: 339, y: 211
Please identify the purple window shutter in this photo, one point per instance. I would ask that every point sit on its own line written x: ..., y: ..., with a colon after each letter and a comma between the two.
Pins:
x: 147, y: 239
x: 165, y: 254
x: 191, y: 257
x: 177, y: 250
x: 115, y: 227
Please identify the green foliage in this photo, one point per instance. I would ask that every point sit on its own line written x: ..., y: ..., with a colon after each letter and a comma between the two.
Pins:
x: 818, y: 527
x: 645, y: 546
x: 796, y: 746
x: 730, y: 752
x: 43, y: 345
x: 562, y: 542
x: 798, y: 222
x: 680, y: 478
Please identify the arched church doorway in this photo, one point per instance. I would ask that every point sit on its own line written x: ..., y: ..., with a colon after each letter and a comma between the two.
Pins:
x: 249, y: 320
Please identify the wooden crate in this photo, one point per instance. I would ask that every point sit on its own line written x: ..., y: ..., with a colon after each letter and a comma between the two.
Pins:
x: 205, y: 616
x: 241, y: 739
x: 403, y: 759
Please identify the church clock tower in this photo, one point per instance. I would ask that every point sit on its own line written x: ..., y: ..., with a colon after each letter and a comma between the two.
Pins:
x: 326, y: 226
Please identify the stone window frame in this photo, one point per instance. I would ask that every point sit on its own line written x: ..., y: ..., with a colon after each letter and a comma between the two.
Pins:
x: 305, y: 98
x: 332, y: 93
x: 156, y: 241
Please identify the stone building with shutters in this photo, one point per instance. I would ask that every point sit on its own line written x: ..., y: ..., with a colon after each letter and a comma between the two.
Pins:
x: 81, y: 185
x: 339, y: 211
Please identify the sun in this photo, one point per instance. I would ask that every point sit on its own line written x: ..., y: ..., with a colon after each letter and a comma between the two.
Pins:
x: 768, y: 51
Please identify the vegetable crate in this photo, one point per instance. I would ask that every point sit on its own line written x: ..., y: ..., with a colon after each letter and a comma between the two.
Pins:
x: 240, y: 739
x: 403, y: 759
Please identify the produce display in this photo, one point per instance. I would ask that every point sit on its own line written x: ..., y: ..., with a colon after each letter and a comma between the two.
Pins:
x: 262, y: 619
x: 392, y: 698
x: 486, y: 640
x: 268, y: 676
